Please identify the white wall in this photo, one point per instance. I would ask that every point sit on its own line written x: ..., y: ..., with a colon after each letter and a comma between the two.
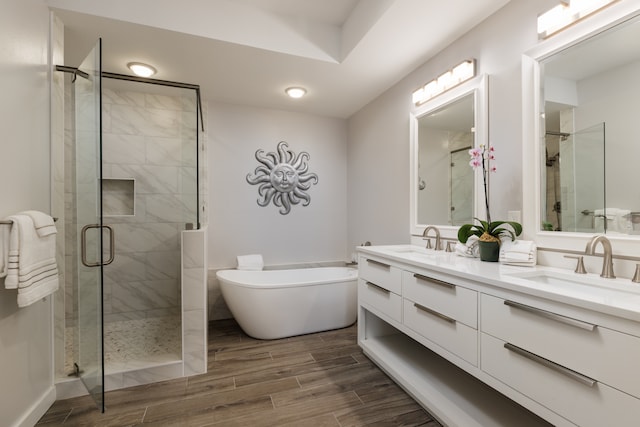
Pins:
x: 379, y: 133
x: 237, y: 225
x: 26, y: 366
x: 608, y: 98
x: 378, y: 171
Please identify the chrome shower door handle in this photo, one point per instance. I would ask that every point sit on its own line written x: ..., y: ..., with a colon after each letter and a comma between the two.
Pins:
x: 83, y: 245
x: 112, y: 245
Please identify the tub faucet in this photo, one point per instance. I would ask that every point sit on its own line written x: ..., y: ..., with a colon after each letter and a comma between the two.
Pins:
x: 438, y: 241
x: 607, y: 262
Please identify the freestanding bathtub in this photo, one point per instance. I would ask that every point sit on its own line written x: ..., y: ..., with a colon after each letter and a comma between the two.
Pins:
x: 270, y: 304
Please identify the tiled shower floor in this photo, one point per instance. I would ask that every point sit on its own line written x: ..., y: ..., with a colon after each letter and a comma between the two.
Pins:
x: 134, y: 344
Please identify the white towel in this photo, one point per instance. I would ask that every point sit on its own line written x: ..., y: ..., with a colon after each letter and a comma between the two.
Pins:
x: 44, y: 224
x: 5, y: 231
x: 518, y: 252
x: 622, y: 221
x: 617, y: 219
x: 469, y: 249
x: 517, y: 246
x: 250, y: 262
x: 11, y: 261
x: 31, y: 266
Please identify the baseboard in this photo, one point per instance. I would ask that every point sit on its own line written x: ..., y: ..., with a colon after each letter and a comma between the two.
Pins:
x: 68, y: 388
x: 38, y: 409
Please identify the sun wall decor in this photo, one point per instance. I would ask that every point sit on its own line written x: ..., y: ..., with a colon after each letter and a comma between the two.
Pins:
x: 283, y: 178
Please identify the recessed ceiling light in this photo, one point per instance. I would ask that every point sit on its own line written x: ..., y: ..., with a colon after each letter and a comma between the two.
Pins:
x: 142, y: 70
x: 296, y: 92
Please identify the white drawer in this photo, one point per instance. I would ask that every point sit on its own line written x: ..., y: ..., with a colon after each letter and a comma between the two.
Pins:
x: 608, y: 356
x: 382, y: 300
x: 453, y: 301
x: 380, y: 273
x: 596, y: 405
x: 448, y: 333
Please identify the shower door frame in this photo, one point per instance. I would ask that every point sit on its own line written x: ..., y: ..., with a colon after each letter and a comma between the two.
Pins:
x: 88, y: 347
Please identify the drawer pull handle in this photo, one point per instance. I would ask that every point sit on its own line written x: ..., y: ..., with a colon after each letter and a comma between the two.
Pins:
x: 379, y: 288
x: 378, y: 263
x: 433, y: 313
x: 434, y: 281
x: 552, y: 316
x: 552, y: 365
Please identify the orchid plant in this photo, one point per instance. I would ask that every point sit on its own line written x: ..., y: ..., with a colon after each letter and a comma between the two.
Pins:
x: 482, y: 157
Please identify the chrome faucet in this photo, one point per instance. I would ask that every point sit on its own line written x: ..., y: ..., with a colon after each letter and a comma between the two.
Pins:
x: 607, y: 262
x: 438, y: 241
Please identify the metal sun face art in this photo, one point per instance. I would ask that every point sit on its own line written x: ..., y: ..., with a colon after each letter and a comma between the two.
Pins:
x: 282, y: 178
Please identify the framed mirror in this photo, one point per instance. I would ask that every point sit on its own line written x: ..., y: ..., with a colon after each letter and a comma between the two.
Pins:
x: 580, y: 106
x: 443, y: 185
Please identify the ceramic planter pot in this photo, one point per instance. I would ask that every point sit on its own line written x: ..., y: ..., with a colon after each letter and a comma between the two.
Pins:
x: 489, y: 251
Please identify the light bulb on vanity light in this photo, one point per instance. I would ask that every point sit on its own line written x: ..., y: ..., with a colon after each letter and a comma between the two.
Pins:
x: 449, y: 79
x: 567, y: 13
x: 141, y: 70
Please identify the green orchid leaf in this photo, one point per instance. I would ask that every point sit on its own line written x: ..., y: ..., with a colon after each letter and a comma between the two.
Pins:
x: 485, y: 224
x: 494, y: 228
x: 500, y: 231
x: 465, y: 232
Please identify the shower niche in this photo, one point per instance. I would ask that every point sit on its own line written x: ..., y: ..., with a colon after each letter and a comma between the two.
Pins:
x: 118, y: 197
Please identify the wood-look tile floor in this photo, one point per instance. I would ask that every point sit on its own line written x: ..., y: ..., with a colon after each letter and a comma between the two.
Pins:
x: 316, y: 380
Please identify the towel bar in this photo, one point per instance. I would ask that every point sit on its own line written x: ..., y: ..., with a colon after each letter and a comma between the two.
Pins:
x: 588, y: 212
x: 9, y: 222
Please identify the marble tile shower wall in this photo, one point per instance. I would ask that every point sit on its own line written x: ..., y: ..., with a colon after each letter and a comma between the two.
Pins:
x: 149, y: 146
x: 70, y: 237
x: 149, y: 139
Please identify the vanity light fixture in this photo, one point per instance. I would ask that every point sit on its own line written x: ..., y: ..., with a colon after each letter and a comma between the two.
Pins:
x: 296, y: 92
x: 445, y: 81
x: 567, y: 13
x: 142, y: 70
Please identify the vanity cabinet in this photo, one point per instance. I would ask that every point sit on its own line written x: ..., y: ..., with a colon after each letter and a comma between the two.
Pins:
x: 379, y: 287
x: 476, y: 354
x: 583, y: 346
x: 443, y: 313
x: 582, y: 371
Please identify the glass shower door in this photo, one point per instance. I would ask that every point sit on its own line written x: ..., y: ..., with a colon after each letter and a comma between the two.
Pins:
x: 461, y: 187
x: 582, y: 180
x: 88, y: 343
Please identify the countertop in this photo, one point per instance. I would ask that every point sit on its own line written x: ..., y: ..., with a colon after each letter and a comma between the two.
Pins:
x: 617, y: 297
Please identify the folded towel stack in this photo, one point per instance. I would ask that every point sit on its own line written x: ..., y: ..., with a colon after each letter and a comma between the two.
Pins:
x: 250, y: 262
x: 518, y: 252
x: 469, y: 249
x: 28, y: 256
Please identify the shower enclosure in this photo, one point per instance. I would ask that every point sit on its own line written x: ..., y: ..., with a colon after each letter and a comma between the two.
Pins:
x: 131, y: 179
x: 574, y: 187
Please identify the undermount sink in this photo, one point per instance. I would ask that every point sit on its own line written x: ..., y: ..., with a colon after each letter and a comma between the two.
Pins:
x: 578, y: 283
x: 409, y: 251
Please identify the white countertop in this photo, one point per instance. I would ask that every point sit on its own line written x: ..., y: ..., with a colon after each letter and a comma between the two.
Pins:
x: 618, y: 297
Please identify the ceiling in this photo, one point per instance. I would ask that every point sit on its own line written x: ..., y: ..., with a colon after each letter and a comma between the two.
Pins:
x: 344, y: 52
